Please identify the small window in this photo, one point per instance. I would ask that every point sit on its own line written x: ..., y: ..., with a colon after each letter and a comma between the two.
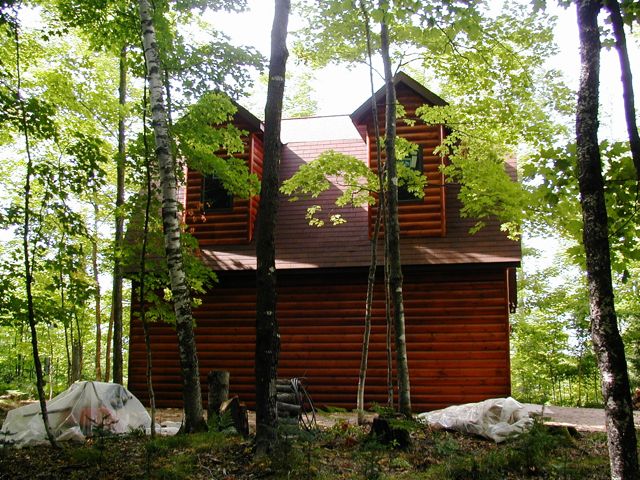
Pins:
x: 214, y: 195
x: 413, y: 161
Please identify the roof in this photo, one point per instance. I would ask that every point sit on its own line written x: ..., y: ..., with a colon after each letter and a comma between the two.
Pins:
x: 318, y: 129
x: 300, y: 246
x: 400, y: 78
x: 253, y: 121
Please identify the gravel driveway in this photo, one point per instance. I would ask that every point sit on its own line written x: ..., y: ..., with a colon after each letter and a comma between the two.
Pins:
x: 583, y: 419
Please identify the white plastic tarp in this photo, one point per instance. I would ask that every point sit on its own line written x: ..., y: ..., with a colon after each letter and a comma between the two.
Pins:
x: 76, y: 413
x: 496, y: 418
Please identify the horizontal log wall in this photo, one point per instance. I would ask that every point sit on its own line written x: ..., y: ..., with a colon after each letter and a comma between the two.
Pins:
x: 257, y: 156
x: 457, y: 333
x: 225, y: 227
x: 418, y: 218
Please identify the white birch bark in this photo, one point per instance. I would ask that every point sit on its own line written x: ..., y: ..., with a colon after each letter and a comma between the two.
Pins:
x: 192, y: 397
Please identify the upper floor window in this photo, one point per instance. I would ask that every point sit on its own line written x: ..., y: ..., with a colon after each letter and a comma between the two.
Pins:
x: 413, y: 161
x: 214, y: 195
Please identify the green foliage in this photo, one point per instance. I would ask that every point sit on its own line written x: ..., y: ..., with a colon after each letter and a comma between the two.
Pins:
x: 203, y: 132
x: 298, y: 100
x: 199, y: 277
x: 554, y: 183
x: 116, y: 20
x: 552, y: 358
x: 531, y: 453
x: 69, y: 159
x: 214, y: 65
x: 350, y: 174
x: 491, y: 69
x: 487, y: 191
x: 222, y: 423
x: 356, y: 182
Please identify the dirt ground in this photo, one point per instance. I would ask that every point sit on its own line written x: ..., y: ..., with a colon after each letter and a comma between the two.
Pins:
x: 582, y: 419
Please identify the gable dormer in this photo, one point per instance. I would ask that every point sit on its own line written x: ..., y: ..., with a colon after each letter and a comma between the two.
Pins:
x: 418, y: 217
x: 214, y: 216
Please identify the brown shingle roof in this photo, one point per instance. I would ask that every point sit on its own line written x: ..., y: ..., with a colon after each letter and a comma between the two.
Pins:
x: 299, y: 245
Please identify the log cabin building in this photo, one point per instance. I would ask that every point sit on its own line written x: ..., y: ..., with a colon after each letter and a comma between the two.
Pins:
x: 458, y: 288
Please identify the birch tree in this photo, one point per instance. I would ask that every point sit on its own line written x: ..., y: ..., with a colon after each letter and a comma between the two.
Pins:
x: 191, y: 392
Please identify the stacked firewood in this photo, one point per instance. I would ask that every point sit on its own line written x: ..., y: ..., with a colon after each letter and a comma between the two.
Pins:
x: 294, y: 405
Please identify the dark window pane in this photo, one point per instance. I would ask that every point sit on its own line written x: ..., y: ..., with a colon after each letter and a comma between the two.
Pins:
x: 413, y: 161
x: 214, y: 196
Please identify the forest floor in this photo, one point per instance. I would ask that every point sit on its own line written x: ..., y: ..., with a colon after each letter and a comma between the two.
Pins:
x: 582, y: 419
x: 336, y: 449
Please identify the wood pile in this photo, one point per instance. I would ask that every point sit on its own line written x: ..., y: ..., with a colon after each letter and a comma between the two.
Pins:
x: 294, y: 406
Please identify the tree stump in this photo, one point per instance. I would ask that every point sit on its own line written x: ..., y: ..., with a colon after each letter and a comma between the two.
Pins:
x: 218, y: 382
x: 238, y: 413
x: 387, y: 434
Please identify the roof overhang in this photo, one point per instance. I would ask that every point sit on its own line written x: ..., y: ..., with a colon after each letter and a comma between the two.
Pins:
x: 431, y: 98
x: 253, y: 121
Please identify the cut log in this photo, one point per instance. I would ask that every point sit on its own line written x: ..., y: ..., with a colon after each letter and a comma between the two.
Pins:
x: 288, y: 398
x: 218, y: 382
x: 289, y: 408
x: 284, y: 388
x: 238, y: 415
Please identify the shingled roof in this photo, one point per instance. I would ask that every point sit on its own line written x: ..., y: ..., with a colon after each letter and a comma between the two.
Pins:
x: 299, y: 245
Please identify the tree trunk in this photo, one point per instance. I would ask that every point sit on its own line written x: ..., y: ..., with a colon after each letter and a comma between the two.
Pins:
x: 65, y: 324
x: 96, y: 296
x: 393, y: 230
x: 116, y: 303
x: 362, y: 377
x: 604, y: 326
x: 143, y: 270
x: 627, y: 81
x: 191, y: 392
x: 267, y: 336
x: 218, y: 381
x: 28, y: 267
x: 107, y: 354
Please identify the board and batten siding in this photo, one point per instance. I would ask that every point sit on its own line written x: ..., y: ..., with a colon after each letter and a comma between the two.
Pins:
x: 225, y: 227
x: 420, y: 217
x: 457, y: 336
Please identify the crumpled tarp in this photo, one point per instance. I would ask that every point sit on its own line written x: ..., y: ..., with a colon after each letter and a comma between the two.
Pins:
x: 76, y: 414
x: 496, y: 418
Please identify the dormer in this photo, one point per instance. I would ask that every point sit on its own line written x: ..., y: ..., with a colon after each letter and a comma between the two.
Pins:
x: 214, y: 216
x: 418, y: 217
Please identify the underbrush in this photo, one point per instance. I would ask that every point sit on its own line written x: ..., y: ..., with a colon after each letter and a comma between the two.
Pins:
x: 343, y: 451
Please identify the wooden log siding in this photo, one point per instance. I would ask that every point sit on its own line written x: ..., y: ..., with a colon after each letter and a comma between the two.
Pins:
x: 255, y: 165
x: 419, y: 218
x: 457, y: 331
x: 226, y: 227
